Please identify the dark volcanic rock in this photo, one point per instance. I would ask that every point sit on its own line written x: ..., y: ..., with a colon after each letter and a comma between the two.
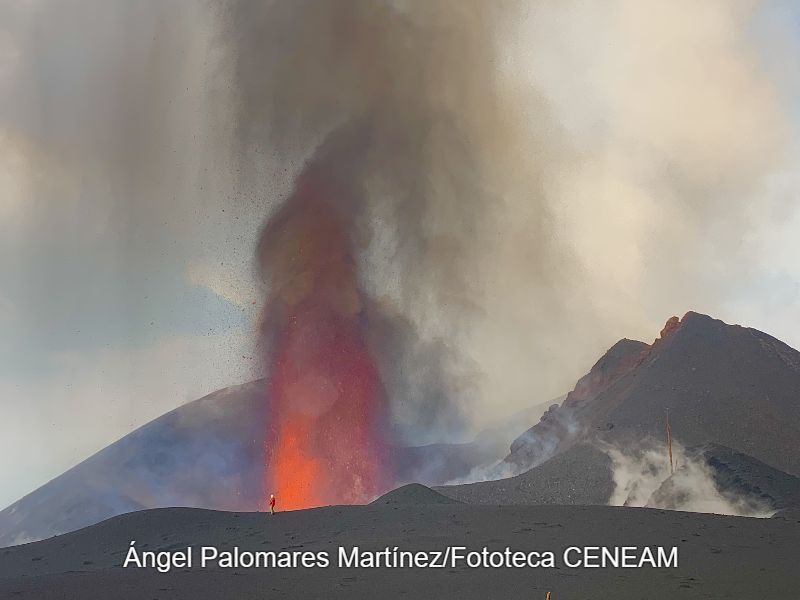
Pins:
x: 744, y: 476
x: 583, y: 475
x: 789, y: 514
x: 558, y: 428
x: 580, y: 475
x: 721, y: 383
x: 413, y: 493
x: 741, y: 479
x: 620, y: 359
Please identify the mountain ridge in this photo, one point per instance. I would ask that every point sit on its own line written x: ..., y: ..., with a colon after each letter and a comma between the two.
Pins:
x: 720, y: 383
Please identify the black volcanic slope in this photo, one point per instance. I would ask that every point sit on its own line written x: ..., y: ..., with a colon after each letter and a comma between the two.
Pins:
x: 789, y: 514
x: 208, y: 453
x: 746, y: 477
x: 413, y: 493
x: 583, y: 475
x: 719, y: 557
x: 558, y: 429
x: 722, y: 384
x: 579, y: 475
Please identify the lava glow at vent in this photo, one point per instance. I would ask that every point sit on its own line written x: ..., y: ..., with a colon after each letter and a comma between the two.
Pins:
x: 327, y: 402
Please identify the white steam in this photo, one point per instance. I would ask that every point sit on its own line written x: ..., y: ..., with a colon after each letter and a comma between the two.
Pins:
x: 642, y: 477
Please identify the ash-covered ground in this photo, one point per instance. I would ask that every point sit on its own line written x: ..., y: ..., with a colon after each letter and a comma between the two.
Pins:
x: 719, y: 556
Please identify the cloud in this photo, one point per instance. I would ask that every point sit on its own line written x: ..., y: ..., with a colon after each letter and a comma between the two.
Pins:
x: 8, y: 312
x: 11, y: 183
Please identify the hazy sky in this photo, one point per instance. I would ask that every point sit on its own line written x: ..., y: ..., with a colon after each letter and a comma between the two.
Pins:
x: 126, y: 282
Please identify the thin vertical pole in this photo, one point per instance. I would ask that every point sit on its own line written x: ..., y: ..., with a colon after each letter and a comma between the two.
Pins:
x: 669, y: 447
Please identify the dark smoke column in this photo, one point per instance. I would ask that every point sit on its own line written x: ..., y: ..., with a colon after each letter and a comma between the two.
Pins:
x: 327, y: 443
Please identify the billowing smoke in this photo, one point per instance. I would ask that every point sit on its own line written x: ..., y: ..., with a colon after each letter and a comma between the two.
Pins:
x: 401, y: 98
x: 525, y: 198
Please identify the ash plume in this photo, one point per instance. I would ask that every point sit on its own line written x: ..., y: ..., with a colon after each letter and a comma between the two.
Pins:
x: 494, y: 198
x: 397, y: 101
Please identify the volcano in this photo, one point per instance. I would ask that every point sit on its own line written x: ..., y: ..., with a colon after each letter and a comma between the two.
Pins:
x: 209, y: 453
x: 719, y: 383
x: 733, y: 396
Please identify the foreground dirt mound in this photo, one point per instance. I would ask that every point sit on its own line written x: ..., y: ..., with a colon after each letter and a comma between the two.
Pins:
x: 580, y: 475
x: 414, y: 493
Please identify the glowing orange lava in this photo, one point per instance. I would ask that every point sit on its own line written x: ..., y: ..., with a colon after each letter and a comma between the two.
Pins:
x: 326, y: 399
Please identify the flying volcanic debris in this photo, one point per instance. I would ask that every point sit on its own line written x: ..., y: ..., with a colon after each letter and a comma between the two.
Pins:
x: 380, y: 134
x: 326, y: 444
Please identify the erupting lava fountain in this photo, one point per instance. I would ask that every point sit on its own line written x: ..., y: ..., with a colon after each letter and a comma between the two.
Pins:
x: 327, y: 442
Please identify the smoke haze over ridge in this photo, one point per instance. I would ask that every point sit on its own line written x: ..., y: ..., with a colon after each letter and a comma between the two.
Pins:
x: 541, y: 179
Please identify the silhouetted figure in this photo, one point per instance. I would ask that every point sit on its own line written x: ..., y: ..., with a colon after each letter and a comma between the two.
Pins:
x: 272, y: 503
